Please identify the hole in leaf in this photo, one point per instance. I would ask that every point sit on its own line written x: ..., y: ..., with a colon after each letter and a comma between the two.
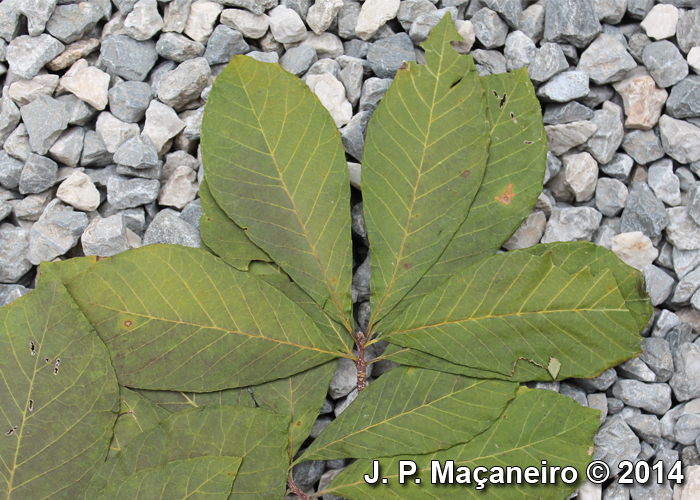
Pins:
x: 11, y: 431
x: 512, y: 117
x: 46, y: 360
x: 496, y: 94
x: 455, y: 83
x: 55, y: 366
x: 32, y: 347
x: 503, y: 102
x: 31, y: 405
x: 528, y: 142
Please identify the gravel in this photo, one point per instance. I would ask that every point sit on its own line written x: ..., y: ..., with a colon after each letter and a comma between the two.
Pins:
x: 99, y: 134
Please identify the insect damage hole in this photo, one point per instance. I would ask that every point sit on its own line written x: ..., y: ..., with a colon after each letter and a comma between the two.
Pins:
x: 512, y: 117
x: 55, y: 366
x: 11, y: 431
x: 32, y: 347
x: 503, y: 103
x: 30, y: 407
x: 46, y: 360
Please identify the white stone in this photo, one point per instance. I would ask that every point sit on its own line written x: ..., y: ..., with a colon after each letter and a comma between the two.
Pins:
x: 572, y: 224
x: 113, y: 132
x: 325, y: 44
x: 634, y: 249
x: 581, y: 175
x: 200, y: 23
x: 690, y: 488
x: 466, y: 31
x: 79, y: 191
x: 374, y: 14
x: 694, y: 59
x: 162, y: 124
x: 286, y: 25
x: 529, y: 233
x: 682, y: 231
x: 250, y: 25
x: 180, y: 189
x: 355, y: 175
x: 143, y: 21
x: 661, y: 21
x: 322, y: 13
x: 590, y: 491
x: 331, y: 93
x: 89, y: 85
x: 25, y: 91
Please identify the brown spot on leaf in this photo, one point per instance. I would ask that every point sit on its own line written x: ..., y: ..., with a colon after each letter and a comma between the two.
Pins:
x: 466, y: 174
x: 406, y: 265
x: 128, y: 323
x: 506, y: 196
x: 229, y: 473
x: 299, y: 423
x: 404, y: 65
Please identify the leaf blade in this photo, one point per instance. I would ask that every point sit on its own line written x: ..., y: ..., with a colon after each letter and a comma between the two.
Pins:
x: 136, y: 414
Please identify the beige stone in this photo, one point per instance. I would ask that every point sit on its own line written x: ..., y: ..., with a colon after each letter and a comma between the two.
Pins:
x: 374, y: 14
x: 251, y: 25
x: 25, y: 91
x: 563, y: 137
x: 690, y: 488
x: 642, y: 99
x: 162, y: 125
x: 79, y: 191
x: 90, y: 85
x: 529, y: 233
x: 180, y: 189
x: 331, y: 93
x: 466, y: 31
x: 634, y: 249
x: 661, y: 21
x: 73, y: 52
x: 355, y: 174
x: 581, y: 175
x: 200, y: 23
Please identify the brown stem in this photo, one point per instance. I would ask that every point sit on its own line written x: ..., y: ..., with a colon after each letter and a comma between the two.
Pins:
x: 295, y: 489
x: 361, y: 364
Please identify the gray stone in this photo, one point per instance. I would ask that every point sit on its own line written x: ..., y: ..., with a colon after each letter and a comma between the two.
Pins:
x: 39, y: 174
x: 128, y: 101
x: 423, y: 24
x: 297, y: 60
x: 358, y: 226
x: 255, y: 6
x: 71, y: 22
x: 572, y: 224
x: 619, y: 167
x: 597, y: 95
x: 615, y: 442
x: 37, y: 13
x: 644, y: 146
x: 682, y: 231
x: 137, y: 152
x: 684, y: 101
x: 636, y: 44
x: 647, y: 427
x: 356, y: 48
x: 636, y: 369
x: 492, y: 60
x: 644, y: 212
x: 320, y: 424
x: 193, y: 123
x: 353, y: 134
x: 679, y: 335
x: 10, y: 171
x: 154, y: 172
x: 552, y: 168
x: 606, y: 60
x: 665, y: 63
x: 610, y: 11
x: 573, y: 392
x: 344, y: 379
x: 180, y: 189
x: 45, y: 119
x: 162, y: 124
x: 686, y: 287
x: 688, y: 29
x: 167, y: 227
x: 79, y: 112
x: 388, y: 54
x: 325, y: 65
x: 178, y: 48
x: 26, y: 55
x: 571, y: 21
x: 510, y: 10
x: 158, y: 74
x: 555, y: 114
x: 659, y: 285
x: 9, y: 117
x: 124, y: 6
x: 68, y: 147
x: 192, y: 213
x: 565, y: 87
x: 687, y: 428
x: 693, y: 202
x: 409, y: 11
x: 686, y: 379
x: 185, y: 83
x: 529, y: 233
x: 306, y: 474
x: 17, y: 144
x: 532, y: 21
x: 685, y: 261
x: 10, y: 293
x: 608, y: 136
x: 105, y: 237
x: 351, y: 78
x: 601, y: 383
x: 144, y: 21
x: 489, y: 28
x: 223, y: 44
x: 128, y: 58
x: 57, y: 231
x: 176, y: 14
x: 126, y: 193
x: 94, y: 151
x: 657, y: 356
x: 14, y: 247
x: 113, y: 132
x: 360, y: 282
x: 614, y: 405
x: 265, y: 57
x: 664, y: 182
x: 638, y: 9
x: 685, y: 178
x: 32, y: 206
x: 610, y: 196
x: 653, y: 398
x: 177, y: 159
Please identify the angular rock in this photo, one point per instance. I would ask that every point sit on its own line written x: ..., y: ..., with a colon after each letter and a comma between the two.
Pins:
x: 10, y: 171
x: 223, y: 44
x: 180, y: 189
x: 657, y: 356
x: 386, y: 56
x: 176, y: 14
x: 17, y: 145
x: 322, y: 13
x: 178, y: 48
x: 634, y: 249
x: 144, y: 21
x: 661, y: 21
x: 286, y: 25
x: 619, y: 167
x: 653, y: 398
x: 90, y: 85
x: 492, y: 61
x: 685, y: 261
x: 571, y: 21
x: 610, y: 11
x: 373, y: 15
x: 688, y: 30
x: 250, y: 25
x: 26, y: 55
x: 644, y: 212
x: 162, y: 124
x: 351, y: 78
x: 636, y: 369
x: 9, y: 117
x: 610, y: 196
x: 137, y: 152
x: 609, y: 133
x: 606, y: 60
x: 347, y: 18
x: 68, y: 147
x: 489, y: 28
x: 200, y: 22
x: 659, y: 285
x: 79, y: 112
x: 71, y: 22
x: 25, y: 91
x: 684, y: 101
x: 581, y: 174
x: 185, y: 83
x: 353, y: 134
x: 126, y: 193
x: 556, y: 114
x: 128, y: 58
x: 94, y: 151
x: 466, y: 31
x: 39, y: 174
x: 636, y: 45
x: 326, y: 45
x: 167, y: 227
x: 642, y: 99
x: 45, y: 118
x: 643, y: 146
x: 192, y: 213
x: 79, y: 191
x: 665, y: 63
x: 680, y: 139
x: 686, y: 287
x: 529, y: 233
x: 106, y: 237
x: 664, y: 182
x: 424, y: 24
x: 14, y: 247
x: 686, y: 379
x: 128, y: 101
x: 565, y: 87
x: 549, y: 61
x: 615, y: 442
x: 57, y: 231
x: 682, y: 231
x: 572, y: 224
x: 113, y: 132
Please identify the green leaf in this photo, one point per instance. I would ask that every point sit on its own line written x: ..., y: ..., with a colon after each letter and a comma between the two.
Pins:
x: 538, y: 425
x: 517, y: 157
x: 424, y: 159
x: 64, y: 270
x: 300, y: 398
x: 203, y: 478
x: 223, y: 236
x: 174, y: 401
x: 276, y: 165
x: 254, y: 434
x: 412, y: 411
x: 522, y: 306
x: 58, y: 393
x: 136, y: 414
x: 177, y: 318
